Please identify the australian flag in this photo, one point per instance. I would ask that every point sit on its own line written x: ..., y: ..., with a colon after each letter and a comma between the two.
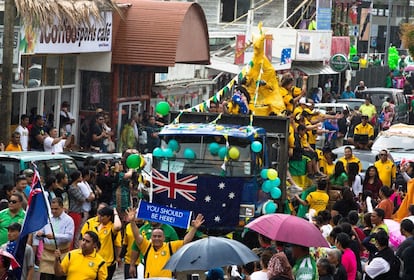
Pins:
x: 37, y: 216
x: 217, y: 198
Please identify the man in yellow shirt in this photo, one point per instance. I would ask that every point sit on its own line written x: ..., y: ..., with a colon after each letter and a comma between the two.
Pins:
x: 158, y: 252
x: 349, y: 157
x: 386, y: 169
x: 360, y: 130
x: 84, y: 263
x: 368, y: 109
x: 317, y: 200
x: 14, y: 144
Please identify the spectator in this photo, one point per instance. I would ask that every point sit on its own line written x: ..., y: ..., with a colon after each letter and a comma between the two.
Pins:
x: 98, y: 134
x: 407, y: 230
x: 348, y: 257
x: 359, y: 90
x: 73, y: 264
x: 14, y: 144
x: 152, y: 133
x: 55, y: 144
x: 66, y: 119
x: 127, y: 139
x: 24, y: 132
x: 348, y: 93
x: 339, y: 179
x: 363, y: 137
x: 386, y: 204
x: 349, y: 157
x: 389, y: 83
x: 381, y: 263
x: 377, y: 220
x: 76, y: 200
x: 154, y: 263
x: 368, y: 109
x: 19, y: 188
x: 107, y: 230
x: 38, y: 134
x: 305, y: 265
x: 354, y: 179
x: 334, y: 257
x: 386, y: 168
x: 279, y: 268
x: 61, y: 237
x: 372, y: 182
x: 344, y: 205
x: 326, y: 271
x: 27, y: 270
x: 13, y: 214
x: 317, y: 200
x: 264, y: 261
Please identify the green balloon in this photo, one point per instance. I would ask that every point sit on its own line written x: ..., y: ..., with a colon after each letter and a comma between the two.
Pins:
x: 133, y: 161
x: 162, y: 108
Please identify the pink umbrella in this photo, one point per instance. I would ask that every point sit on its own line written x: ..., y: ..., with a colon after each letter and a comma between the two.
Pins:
x: 14, y: 264
x: 409, y: 68
x: 394, y: 233
x: 290, y: 229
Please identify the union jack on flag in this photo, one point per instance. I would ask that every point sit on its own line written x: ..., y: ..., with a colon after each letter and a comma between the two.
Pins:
x: 217, y: 198
x: 184, y: 186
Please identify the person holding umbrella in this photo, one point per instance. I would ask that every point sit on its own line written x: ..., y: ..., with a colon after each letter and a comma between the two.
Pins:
x: 157, y: 252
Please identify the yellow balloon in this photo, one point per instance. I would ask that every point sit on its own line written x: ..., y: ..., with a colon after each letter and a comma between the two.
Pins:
x: 142, y: 162
x: 272, y: 174
x: 234, y: 153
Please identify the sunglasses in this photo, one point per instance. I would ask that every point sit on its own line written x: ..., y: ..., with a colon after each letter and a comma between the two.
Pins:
x: 13, y: 201
x: 383, y: 154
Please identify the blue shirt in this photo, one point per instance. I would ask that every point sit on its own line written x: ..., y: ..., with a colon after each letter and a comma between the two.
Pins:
x: 347, y: 94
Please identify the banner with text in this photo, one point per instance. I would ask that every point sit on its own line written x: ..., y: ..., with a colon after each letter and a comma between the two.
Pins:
x: 63, y: 38
x: 163, y: 214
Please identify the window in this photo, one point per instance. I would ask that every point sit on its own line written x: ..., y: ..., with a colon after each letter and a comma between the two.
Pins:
x: 232, y: 9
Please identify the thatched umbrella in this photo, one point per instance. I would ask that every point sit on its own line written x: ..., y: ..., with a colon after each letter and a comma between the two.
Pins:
x: 407, y: 37
x: 37, y: 13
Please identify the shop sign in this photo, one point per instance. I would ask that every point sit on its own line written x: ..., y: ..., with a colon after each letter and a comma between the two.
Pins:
x: 63, y: 38
x: 339, y: 62
x: 15, y: 45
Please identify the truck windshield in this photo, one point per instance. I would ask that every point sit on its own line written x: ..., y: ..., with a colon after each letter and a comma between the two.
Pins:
x: 206, y: 161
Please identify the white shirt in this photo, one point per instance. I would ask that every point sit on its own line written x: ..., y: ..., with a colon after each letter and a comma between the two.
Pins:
x: 56, y: 148
x: 259, y: 275
x: 357, y: 185
x: 63, y: 227
x: 24, y: 137
x: 86, y: 191
x: 377, y: 267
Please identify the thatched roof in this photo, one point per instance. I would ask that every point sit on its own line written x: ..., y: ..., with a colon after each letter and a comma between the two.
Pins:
x: 42, y: 13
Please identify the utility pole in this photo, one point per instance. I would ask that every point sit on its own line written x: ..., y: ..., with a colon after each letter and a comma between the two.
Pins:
x: 7, y: 70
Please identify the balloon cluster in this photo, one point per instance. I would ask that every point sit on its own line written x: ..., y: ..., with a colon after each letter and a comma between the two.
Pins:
x: 167, y: 153
x: 135, y: 161
x: 271, y: 183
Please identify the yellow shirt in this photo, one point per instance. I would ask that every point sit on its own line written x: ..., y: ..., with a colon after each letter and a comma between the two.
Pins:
x: 291, y: 139
x: 287, y: 98
x: 328, y: 169
x: 364, y: 129
x: 107, y: 237
x: 298, y: 110
x: 156, y: 260
x: 311, y: 135
x: 386, y: 171
x: 368, y: 110
x: 128, y: 241
x: 348, y: 161
x: 318, y: 200
x: 13, y: 148
x: 90, y: 224
x: 79, y: 267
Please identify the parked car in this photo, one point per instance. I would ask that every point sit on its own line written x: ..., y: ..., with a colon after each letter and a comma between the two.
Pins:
x: 379, y: 96
x: 352, y: 102
x: 13, y: 163
x: 89, y: 160
x: 398, y: 140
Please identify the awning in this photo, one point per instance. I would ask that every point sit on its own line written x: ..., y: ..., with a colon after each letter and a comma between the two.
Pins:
x: 313, y: 70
